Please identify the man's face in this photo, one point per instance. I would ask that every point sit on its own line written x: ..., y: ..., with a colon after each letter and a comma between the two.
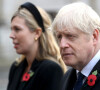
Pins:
x: 76, y: 47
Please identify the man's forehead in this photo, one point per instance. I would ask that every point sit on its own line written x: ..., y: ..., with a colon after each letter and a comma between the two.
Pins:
x: 67, y: 30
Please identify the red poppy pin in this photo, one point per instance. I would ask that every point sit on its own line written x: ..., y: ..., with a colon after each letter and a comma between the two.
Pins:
x: 92, y: 78
x: 27, y: 76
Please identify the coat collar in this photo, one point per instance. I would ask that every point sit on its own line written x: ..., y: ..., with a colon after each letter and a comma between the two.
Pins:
x: 71, y: 78
x: 96, y: 67
x: 17, y: 75
x: 19, y: 72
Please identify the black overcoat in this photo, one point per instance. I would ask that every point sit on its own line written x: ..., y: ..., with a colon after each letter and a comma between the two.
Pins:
x: 70, y: 79
x: 47, y: 76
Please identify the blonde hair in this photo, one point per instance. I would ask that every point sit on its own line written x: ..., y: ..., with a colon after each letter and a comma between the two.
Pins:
x: 47, y: 49
x: 77, y: 15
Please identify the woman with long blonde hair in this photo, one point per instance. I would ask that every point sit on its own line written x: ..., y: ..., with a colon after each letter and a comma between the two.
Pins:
x: 40, y: 66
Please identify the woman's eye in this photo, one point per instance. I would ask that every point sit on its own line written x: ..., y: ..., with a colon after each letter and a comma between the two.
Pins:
x: 17, y: 29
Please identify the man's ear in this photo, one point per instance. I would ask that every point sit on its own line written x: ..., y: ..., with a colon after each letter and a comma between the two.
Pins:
x: 95, y: 36
x: 38, y: 32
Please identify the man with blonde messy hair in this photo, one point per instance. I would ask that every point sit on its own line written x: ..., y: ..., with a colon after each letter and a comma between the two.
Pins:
x: 77, y: 27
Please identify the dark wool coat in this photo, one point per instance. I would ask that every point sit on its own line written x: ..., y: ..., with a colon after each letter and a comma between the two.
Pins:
x: 47, y: 76
x: 70, y: 78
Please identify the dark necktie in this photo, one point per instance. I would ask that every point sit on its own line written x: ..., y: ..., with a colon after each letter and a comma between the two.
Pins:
x: 79, y: 81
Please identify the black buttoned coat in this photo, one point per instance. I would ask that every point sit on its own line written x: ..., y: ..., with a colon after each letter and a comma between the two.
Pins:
x: 47, y: 76
x: 70, y: 79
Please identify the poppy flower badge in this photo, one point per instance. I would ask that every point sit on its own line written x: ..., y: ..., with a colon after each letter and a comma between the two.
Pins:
x: 92, y: 78
x: 27, y: 76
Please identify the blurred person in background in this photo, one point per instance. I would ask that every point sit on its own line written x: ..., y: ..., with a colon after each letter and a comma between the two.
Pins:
x: 40, y: 66
x: 77, y: 27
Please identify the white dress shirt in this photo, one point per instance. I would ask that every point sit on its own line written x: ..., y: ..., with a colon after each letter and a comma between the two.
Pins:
x: 87, y: 69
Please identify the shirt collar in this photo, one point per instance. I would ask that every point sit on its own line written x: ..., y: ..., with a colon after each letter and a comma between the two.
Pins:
x: 87, y: 69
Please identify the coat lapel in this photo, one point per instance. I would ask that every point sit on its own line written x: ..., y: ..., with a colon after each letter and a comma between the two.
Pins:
x: 96, y: 67
x: 71, y: 79
x: 32, y: 80
x: 17, y: 75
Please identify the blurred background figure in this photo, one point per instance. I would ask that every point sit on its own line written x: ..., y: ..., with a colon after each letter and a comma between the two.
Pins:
x: 7, y: 8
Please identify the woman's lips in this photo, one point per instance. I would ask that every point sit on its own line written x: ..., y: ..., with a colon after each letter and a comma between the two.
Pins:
x: 15, y: 45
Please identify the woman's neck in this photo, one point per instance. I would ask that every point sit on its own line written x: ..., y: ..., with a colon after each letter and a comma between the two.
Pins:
x: 30, y: 57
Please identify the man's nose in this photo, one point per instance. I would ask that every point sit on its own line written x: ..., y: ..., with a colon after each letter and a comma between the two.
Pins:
x: 64, y: 43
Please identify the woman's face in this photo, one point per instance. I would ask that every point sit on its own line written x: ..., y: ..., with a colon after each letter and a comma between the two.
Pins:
x: 23, y: 38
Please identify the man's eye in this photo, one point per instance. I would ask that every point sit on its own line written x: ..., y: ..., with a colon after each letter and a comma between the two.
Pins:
x: 59, y: 36
x: 70, y: 36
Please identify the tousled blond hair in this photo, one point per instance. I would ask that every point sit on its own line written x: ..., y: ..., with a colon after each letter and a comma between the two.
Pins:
x: 77, y: 15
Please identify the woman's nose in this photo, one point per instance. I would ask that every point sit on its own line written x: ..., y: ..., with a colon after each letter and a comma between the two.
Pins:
x: 12, y: 36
